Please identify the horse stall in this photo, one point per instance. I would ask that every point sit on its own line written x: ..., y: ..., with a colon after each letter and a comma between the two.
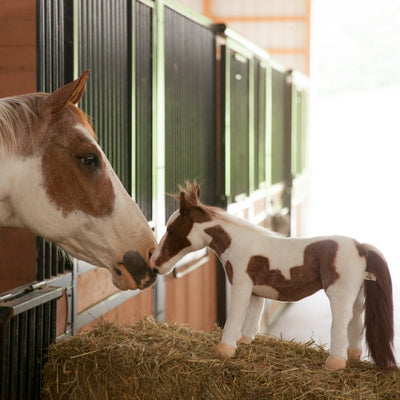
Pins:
x: 172, y: 97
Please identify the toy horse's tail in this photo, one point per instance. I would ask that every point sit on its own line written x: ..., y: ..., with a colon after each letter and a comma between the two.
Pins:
x: 379, y: 328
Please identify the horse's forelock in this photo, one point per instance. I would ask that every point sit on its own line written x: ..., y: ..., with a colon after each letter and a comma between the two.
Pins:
x: 15, y: 113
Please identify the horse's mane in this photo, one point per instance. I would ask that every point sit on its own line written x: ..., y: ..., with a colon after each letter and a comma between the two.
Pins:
x: 14, y: 113
x: 21, y: 111
x: 192, y: 198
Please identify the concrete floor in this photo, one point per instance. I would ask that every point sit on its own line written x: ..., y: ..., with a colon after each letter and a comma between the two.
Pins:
x: 355, y: 191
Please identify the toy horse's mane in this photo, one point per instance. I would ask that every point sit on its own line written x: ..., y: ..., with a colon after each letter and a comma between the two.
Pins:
x: 21, y: 111
x: 191, y: 195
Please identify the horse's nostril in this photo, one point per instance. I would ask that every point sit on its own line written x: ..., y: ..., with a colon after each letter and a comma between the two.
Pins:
x: 155, y: 270
x: 117, y: 271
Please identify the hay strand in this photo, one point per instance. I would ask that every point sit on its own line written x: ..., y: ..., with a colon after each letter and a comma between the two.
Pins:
x: 160, y: 361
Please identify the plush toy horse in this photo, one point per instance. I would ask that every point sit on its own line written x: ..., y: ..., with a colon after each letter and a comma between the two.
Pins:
x: 261, y: 264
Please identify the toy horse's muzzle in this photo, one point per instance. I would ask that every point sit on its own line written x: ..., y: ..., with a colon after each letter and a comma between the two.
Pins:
x: 134, y: 267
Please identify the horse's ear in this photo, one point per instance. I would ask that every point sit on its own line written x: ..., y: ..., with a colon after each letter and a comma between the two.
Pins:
x: 70, y: 93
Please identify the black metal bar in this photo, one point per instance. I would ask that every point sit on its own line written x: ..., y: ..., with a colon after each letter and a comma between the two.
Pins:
x: 39, y: 259
x: 190, y: 106
x: 30, y: 356
x: 38, y: 351
x: 143, y: 158
x: 4, y: 360
x: 13, y: 365
x: 26, y: 300
x: 68, y: 40
x: 22, y: 355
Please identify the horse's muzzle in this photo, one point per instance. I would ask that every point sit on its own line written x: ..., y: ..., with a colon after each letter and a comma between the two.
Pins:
x: 141, y: 273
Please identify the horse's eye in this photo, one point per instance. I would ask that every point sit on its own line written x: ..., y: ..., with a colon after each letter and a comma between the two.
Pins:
x: 90, y: 161
x: 169, y: 232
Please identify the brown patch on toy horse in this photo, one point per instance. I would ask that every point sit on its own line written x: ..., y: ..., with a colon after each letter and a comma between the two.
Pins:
x: 318, y: 271
x: 220, y: 239
x: 179, y: 229
x: 191, y: 211
x: 362, y: 251
x: 229, y: 271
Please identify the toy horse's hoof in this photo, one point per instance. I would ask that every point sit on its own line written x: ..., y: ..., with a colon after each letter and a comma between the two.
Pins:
x: 335, y: 363
x: 223, y: 350
x: 244, y: 340
x: 353, y: 354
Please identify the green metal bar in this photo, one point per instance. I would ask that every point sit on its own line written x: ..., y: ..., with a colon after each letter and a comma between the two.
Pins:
x: 268, y: 131
x: 294, y: 131
x: 251, y: 126
x: 158, y: 180
x: 228, y: 120
x: 133, y: 99
x: 158, y: 117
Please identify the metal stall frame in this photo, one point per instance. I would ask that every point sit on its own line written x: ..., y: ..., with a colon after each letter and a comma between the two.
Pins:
x: 299, y: 168
x: 116, y: 299
x: 248, y: 50
x: 243, y: 204
x: 27, y: 327
x: 193, y: 261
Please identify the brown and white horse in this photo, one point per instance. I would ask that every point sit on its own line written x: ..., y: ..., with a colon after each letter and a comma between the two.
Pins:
x: 56, y: 181
x: 261, y: 264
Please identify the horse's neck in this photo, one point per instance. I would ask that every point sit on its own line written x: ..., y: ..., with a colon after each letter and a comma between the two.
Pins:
x: 233, y: 223
x: 224, y: 230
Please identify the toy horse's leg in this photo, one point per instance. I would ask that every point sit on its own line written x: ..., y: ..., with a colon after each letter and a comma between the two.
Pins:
x: 251, y: 324
x: 355, y: 329
x: 341, y: 300
x: 240, y: 298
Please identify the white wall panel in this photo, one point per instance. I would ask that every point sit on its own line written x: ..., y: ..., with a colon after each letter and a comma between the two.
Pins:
x: 240, y: 8
x: 194, y: 5
x: 274, y: 35
x: 298, y: 61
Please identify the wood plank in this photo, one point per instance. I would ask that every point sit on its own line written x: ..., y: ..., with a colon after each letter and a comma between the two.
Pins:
x: 17, y: 258
x: 17, y: 82
x: 16, y: 32
x: 62, y: 314
x: 94, y: 286
x: 191, y: 299
x: 17, y: 58
x: 129, y: 312
x: 20, y: 9
x: 17, y: 47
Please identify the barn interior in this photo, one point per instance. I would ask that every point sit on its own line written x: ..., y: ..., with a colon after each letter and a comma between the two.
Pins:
x: 284, y: 111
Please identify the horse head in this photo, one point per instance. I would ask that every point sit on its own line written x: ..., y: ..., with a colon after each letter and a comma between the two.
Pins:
x: 183, y: 233
x: 56, y: 181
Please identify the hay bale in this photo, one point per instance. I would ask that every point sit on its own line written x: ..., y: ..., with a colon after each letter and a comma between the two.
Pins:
x: 153, y: 360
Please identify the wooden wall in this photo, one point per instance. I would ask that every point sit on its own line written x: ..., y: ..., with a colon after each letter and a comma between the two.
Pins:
x: 192, y: 299
x: 17, y: 76
x: 17, y: 47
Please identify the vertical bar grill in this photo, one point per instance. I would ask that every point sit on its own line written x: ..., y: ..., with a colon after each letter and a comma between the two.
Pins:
x: 190, y: 106
x: 27, y: 327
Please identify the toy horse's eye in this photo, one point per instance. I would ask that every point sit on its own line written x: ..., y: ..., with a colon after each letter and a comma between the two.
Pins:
x: 89, y: 161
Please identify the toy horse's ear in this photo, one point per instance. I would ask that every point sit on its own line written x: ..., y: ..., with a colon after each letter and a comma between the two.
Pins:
x: 197, y: 191
x: 183, y: 205
x: 70, y: 93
